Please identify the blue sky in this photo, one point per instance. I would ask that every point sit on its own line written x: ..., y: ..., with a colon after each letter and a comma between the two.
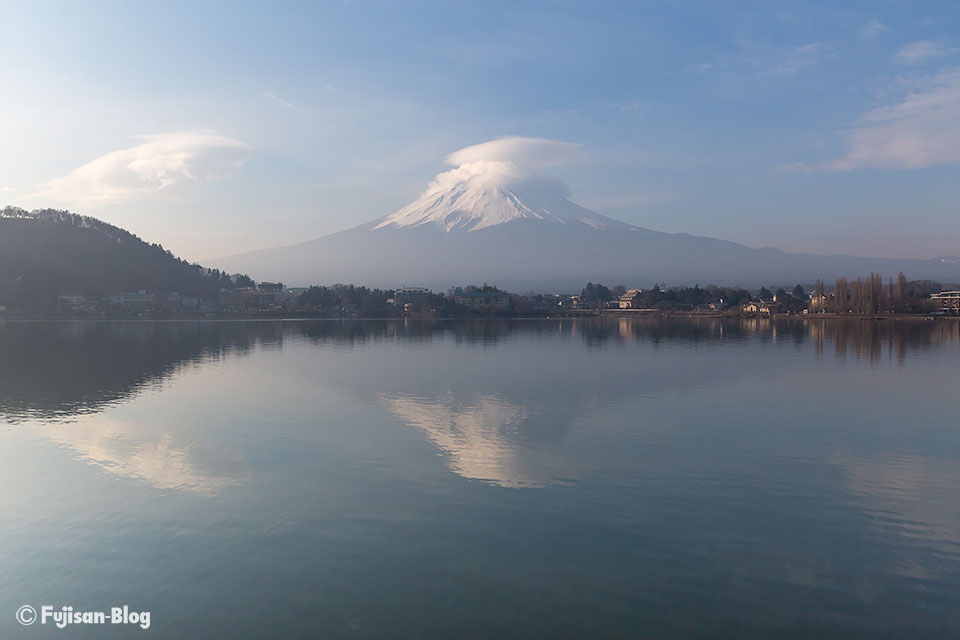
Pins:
x: 215, y: 128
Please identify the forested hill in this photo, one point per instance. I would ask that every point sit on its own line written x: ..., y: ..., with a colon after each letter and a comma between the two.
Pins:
x: 46, y: 252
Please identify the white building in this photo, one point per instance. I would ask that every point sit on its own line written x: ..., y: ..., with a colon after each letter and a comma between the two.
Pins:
x: 948, y: 300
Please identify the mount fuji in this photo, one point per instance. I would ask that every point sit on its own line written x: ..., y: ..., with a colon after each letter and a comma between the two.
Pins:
x: 488, y: 220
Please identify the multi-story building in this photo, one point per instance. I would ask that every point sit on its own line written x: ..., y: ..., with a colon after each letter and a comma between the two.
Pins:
x: 133, y: 300
x: 948, y: 300
x: 486, y: 298
x: 414, y: 296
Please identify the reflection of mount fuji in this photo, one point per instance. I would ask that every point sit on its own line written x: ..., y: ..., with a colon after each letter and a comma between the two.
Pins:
x: 51, y: 370
x: 484, y: 437
x: 500, y: 399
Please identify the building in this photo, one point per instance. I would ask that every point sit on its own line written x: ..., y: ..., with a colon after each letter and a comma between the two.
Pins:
x: 579, y: 302
x: 818, y: 302
x: 71, y: 299
x: 267, y: 296
x: 76, y: 302
x: 133, y: 300
x: 756, y: 308
x: 947, y: 300
x: 169, y: 302
x: 486, y: 298
x: 414, y: 296
x: 630, y: 299
x: 720, y: 305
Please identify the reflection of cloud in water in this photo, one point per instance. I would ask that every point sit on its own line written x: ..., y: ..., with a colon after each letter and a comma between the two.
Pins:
x: 156, y: 458
x: 482, y: 437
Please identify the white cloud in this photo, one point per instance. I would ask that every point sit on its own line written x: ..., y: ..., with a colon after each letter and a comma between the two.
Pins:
x: 331, y: 88
x: 873, y: 29
x: 923, y: 50
x: 163, y: 163
x: 505, y: 160
x: 798, y: 59
x: 526, y: 152
x: 703, y: 67
x: 921, y: 131
x: 275, y: 98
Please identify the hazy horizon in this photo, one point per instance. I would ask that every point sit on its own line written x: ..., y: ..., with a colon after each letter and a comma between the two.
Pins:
x: 225, y: 128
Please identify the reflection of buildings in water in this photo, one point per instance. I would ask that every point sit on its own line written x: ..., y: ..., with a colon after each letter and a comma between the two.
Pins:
x: 119, y: 449
x: 482, y: 436
x: 873, y: 340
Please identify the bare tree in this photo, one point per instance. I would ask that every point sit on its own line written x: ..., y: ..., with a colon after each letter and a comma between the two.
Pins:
x: 900, y: 293
x: 874, y: 292
x: 840, y: 291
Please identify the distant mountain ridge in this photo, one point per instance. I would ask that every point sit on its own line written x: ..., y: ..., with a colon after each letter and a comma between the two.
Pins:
x: 46, y: 252
x: 527, y: 235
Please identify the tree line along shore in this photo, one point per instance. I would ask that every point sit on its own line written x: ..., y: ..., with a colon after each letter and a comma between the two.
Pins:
x: 862, y: 297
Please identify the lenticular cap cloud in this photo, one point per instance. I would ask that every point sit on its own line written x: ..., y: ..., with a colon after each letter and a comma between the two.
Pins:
x: 523, y: 152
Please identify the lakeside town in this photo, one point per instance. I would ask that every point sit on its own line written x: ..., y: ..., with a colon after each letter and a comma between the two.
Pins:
x: 862, y: 296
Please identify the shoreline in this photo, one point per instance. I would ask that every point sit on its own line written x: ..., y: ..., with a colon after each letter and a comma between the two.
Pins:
x: 660, y: 315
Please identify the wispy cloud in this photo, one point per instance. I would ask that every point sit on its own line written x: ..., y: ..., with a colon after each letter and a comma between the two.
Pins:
x: 873, y: 29
x: 798, y: 59
x: 702, y: 67
x: 634, y: 106
x: 924, y: 50
x: 921, y: 131
x: 280, y: 101
x: 161, y: 164
x: 331, y: 88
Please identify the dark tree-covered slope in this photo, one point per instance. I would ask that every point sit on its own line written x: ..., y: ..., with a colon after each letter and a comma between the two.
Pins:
x: 46, y: 252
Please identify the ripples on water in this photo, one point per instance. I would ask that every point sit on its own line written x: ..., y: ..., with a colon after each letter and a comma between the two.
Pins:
x: 570, y: 478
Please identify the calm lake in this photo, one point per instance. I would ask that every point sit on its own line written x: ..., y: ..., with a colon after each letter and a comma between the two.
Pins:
x: 444, y: 479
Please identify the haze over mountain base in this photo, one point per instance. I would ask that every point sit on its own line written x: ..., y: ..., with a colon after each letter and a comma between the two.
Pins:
x: 487, y: 225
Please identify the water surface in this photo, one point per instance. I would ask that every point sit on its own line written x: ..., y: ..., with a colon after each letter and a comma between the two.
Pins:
x: 559, y: 478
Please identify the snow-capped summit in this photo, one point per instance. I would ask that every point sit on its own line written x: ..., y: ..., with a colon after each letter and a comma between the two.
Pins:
x: 491, y: 218
x: 485, y: 194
